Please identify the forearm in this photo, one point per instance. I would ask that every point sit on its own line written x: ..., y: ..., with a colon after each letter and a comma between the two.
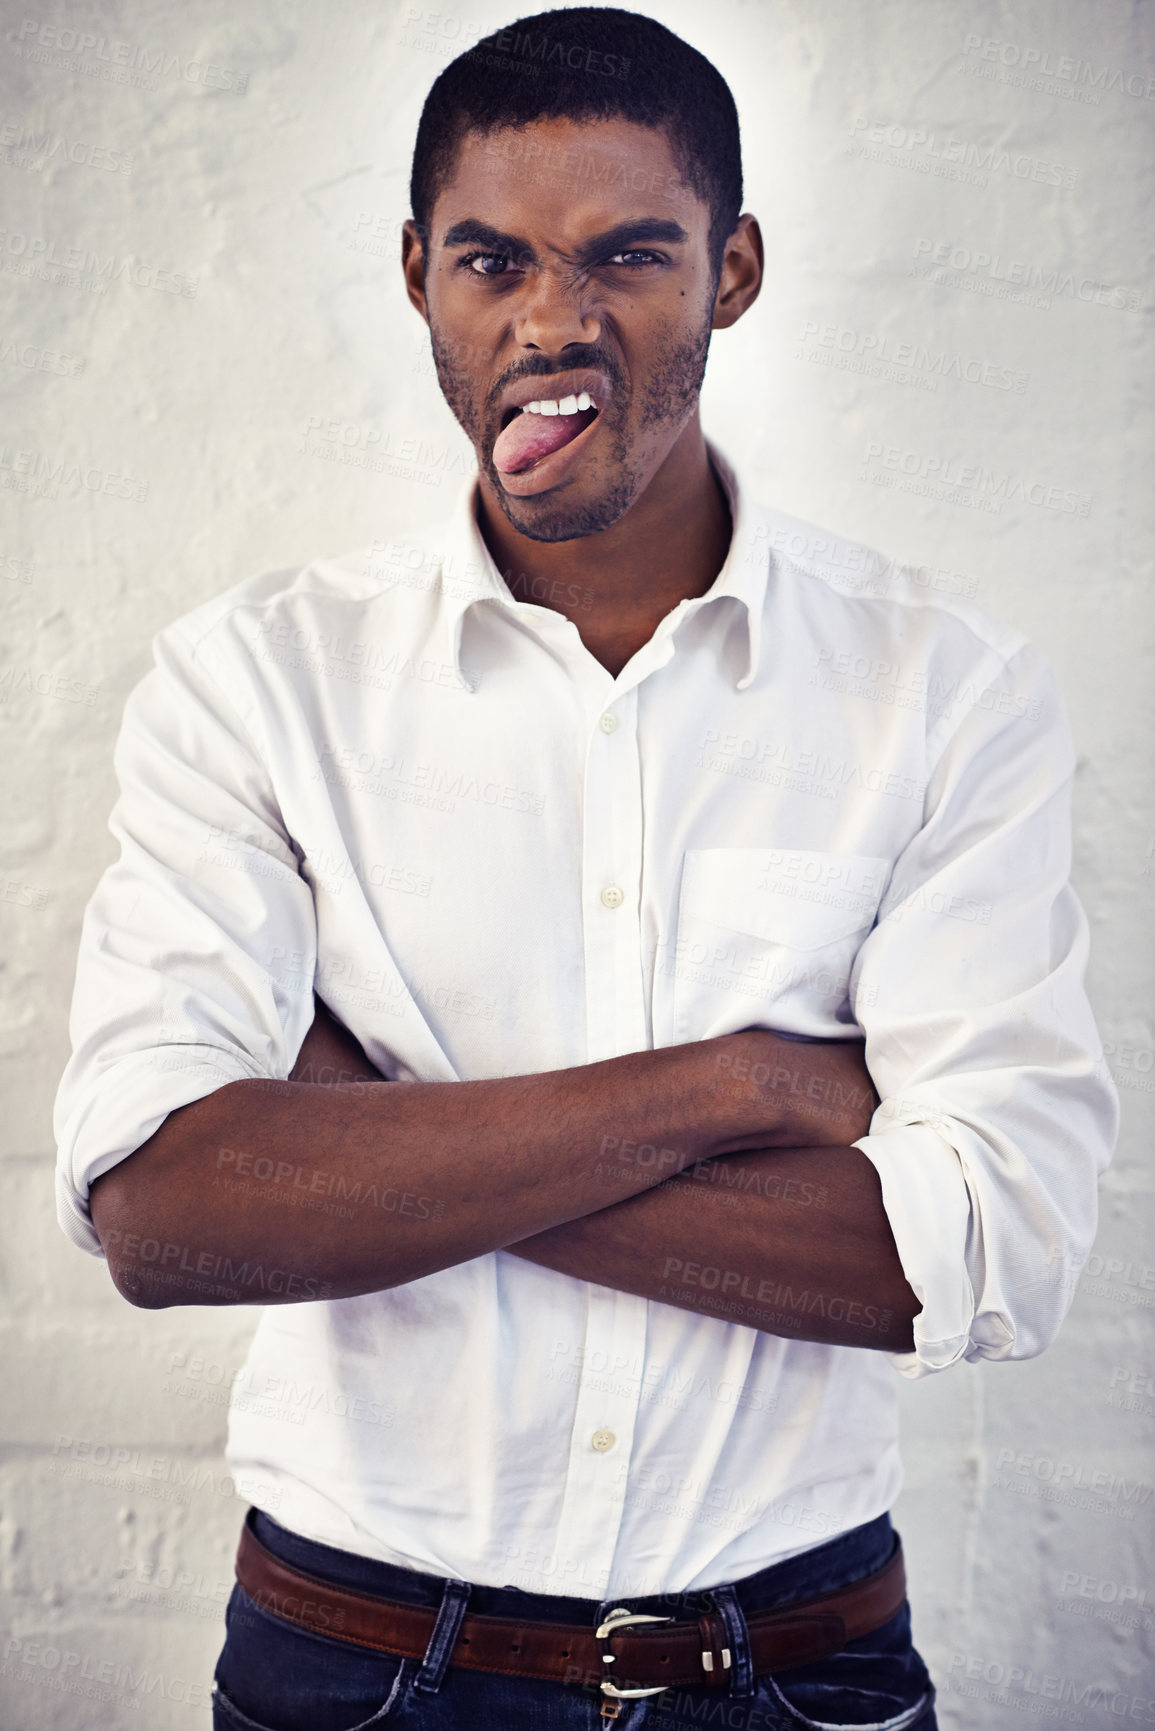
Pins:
x: 342, y: 1189
x: 350, y: 1189
x: 794, y: 1242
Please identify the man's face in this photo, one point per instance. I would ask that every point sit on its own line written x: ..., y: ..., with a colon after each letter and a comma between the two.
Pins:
x: 567, y: 257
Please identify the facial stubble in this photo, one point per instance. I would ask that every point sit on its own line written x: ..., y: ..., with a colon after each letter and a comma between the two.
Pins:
x: 670, y: 397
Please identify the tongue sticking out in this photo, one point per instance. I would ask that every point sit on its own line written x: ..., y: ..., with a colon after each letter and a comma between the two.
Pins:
x: 529, y: 437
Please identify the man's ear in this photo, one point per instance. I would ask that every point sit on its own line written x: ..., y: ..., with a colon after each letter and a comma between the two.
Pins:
x: 413, y: 247
x: 741, y: 276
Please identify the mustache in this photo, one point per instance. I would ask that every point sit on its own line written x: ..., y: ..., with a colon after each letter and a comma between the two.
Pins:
x: 547, y: 367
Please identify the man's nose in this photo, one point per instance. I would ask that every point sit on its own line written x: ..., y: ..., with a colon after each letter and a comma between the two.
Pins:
x: 555, y: 311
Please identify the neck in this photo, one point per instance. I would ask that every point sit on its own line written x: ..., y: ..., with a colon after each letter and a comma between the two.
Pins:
x: 617, y: 585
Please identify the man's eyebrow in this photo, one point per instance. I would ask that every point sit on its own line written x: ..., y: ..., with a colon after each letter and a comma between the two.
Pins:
x: 471, y: 232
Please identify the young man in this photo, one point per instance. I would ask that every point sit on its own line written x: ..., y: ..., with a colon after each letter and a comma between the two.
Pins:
x: 713, y: 906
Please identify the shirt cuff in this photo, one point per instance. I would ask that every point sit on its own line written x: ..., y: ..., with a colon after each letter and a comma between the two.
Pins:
x: 928, y: 1207
x: 135, y: 1095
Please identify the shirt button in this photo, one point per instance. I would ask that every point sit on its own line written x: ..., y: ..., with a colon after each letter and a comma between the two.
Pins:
x: 608, y: 723
x: 612, y: 896
x: 603, y: 1441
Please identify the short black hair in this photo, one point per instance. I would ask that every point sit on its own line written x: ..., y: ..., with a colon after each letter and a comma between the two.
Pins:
x: 587, y: 63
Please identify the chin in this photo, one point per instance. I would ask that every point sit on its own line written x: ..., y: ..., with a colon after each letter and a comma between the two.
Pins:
x: 546, y: 518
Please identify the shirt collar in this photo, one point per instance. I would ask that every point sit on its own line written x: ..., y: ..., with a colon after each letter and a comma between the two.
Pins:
x: 469, y: 575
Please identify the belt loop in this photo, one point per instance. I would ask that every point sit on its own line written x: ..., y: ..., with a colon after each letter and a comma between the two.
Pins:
x: 433, y: 1666
x: 741, y: 1659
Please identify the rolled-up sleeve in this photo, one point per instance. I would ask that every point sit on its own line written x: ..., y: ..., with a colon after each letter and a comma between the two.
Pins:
x: 199, y: 945
x: 997, y: 1111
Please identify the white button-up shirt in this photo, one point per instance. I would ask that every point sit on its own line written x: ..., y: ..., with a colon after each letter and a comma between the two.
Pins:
x: 820, y: 799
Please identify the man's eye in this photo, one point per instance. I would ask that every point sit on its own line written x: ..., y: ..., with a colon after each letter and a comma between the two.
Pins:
x: 480, y: 263
x: 471, y: 259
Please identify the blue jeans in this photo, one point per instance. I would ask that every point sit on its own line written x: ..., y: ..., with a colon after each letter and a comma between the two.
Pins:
x: 273, y: 1676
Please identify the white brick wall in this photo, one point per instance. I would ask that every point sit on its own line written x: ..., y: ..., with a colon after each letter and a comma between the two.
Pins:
x: 257, y: 175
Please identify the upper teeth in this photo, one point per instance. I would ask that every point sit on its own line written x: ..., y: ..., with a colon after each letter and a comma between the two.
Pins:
x: 560, y: 405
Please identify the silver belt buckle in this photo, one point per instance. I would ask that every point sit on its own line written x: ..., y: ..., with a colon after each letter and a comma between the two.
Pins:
x: 618, y: 1620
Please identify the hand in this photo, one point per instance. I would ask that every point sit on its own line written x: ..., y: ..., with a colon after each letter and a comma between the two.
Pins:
x: 331, y: 1056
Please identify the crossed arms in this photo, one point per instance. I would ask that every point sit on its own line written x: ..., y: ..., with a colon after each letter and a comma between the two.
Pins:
x: 715, y: 1176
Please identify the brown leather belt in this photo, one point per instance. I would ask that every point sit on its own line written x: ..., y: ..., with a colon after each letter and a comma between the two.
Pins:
x: 659, y: 1654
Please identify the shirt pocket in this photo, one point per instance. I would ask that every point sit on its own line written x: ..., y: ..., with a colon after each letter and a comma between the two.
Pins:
x: 768, y: 936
